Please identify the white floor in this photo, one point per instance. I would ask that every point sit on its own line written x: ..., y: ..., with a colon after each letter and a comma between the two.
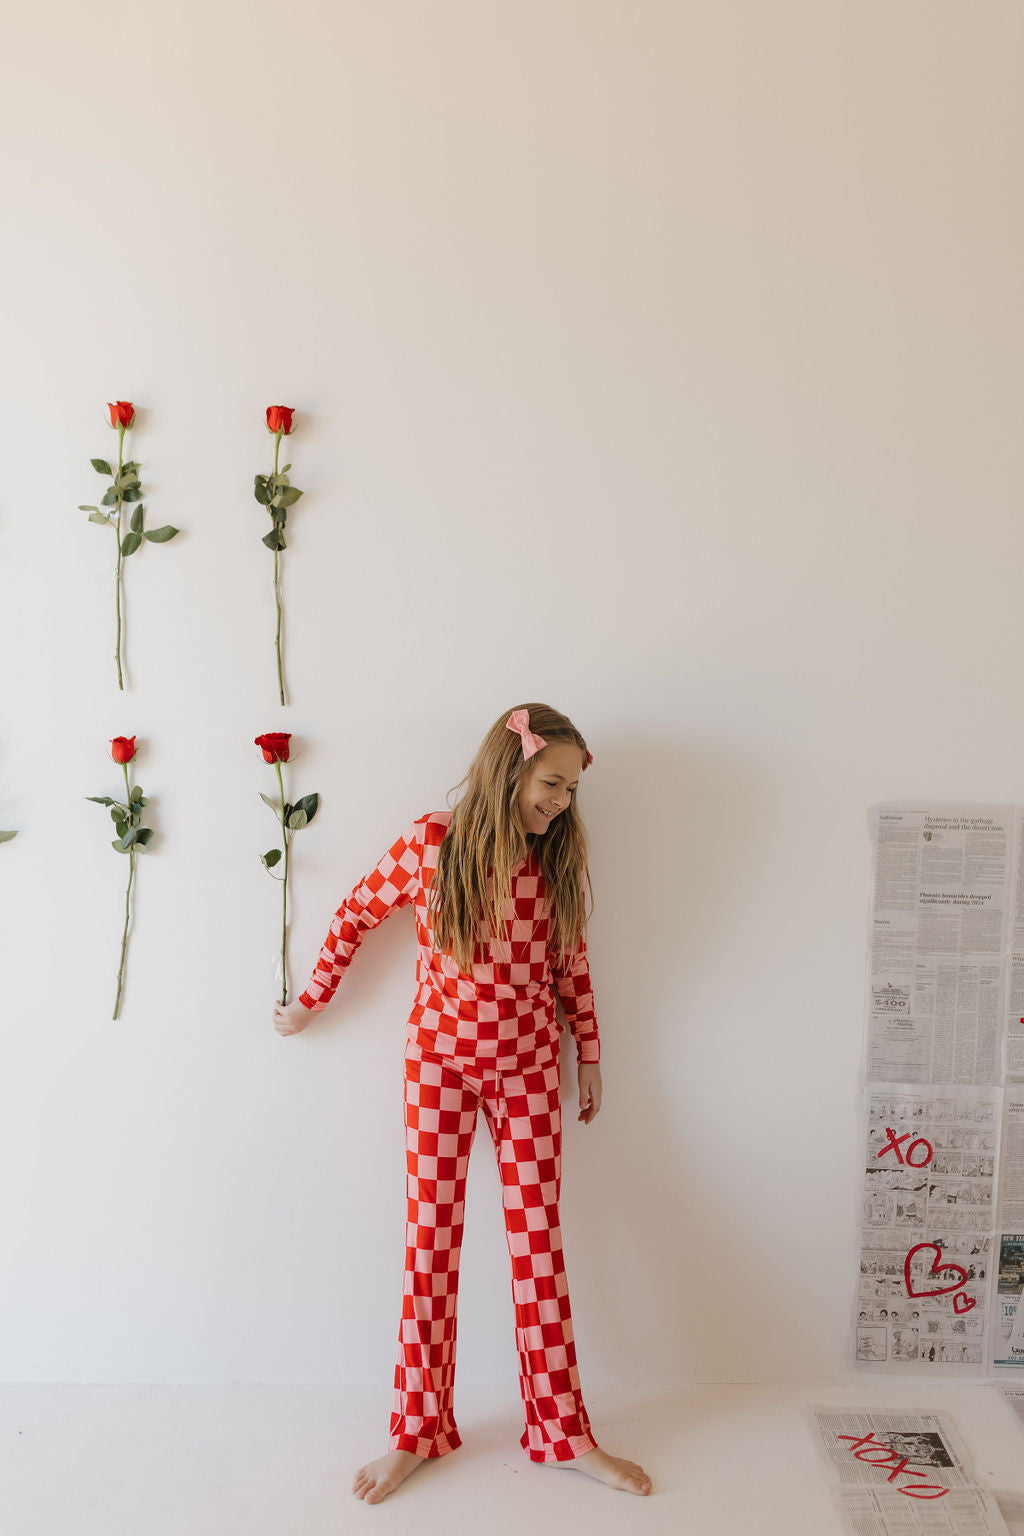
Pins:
x: 273, y: 1460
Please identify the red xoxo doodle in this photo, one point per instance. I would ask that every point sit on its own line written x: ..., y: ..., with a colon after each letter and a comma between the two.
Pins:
x: 862, y: 1444
x: 894, y: 1143
x: 936, y: 1270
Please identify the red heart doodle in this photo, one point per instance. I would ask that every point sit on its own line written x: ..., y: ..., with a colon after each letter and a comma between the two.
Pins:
x: 963, y: 1303
x: 936, y: 1269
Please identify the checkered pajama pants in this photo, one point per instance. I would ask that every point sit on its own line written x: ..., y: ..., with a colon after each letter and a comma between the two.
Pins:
x: 523, y: 1115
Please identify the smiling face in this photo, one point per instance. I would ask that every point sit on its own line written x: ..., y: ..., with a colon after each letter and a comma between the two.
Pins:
x: 548, y: 784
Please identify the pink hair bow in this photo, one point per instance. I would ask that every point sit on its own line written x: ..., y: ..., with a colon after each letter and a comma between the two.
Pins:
x: 519, y: 720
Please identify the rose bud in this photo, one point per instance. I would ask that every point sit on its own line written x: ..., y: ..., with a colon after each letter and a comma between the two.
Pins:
x: 122, y: 749
x: 279, y: 418
x: 275, y: 746
x: 122, y: 413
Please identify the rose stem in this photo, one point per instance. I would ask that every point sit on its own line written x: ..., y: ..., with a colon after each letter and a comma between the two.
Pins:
x: 117, y: 584
x: 127, y: 894
x: 284, y: 890
x: 277, y: 592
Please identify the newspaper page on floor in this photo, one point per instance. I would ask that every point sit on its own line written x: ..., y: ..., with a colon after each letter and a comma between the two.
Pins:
x: 898, y: 1473
x: 1011, y: 1507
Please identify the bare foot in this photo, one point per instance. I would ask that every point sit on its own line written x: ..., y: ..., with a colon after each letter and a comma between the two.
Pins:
x: 381, y: 1477
x: 613, y: 1470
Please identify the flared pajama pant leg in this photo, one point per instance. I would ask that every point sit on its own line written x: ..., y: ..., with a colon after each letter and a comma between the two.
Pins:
x: 440, y: 1119
x: 523, y: 1112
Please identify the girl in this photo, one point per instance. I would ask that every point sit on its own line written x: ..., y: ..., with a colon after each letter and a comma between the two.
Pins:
x: 497, y: 887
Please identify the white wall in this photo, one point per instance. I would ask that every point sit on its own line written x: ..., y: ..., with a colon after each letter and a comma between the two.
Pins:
x: 662, y: 361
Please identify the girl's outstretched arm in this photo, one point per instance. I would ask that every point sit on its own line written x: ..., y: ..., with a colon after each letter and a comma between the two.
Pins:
x: 393, y: 883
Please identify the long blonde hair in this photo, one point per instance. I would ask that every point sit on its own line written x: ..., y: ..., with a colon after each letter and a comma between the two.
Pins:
x: 486, y: 836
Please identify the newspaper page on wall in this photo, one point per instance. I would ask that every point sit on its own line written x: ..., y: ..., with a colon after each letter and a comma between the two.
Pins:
x: 896, y: 1473
x: 927, y: 1222
x: 1014, y: 1008
x: 942, y: 1219
x: 1008, y: 1324
x: 940, y: 918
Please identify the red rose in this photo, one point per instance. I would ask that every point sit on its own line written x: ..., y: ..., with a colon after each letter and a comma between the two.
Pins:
x: 275, y: 746
x: 122, y: 413
x: 122, y: 749
x: 279, y: 418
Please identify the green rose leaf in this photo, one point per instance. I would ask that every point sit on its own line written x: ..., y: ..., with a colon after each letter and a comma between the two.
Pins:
x: 121, y: 825
x: 137, y: 792
x: 161, y: 535
x: 297, y: 819
x: 286, y: 469
x: 109, y: 500
x: 117, y: 844
x: 127, y: 477
x: 309, y: 804
x: 268, y: 860
x: 102, y: 466
x: 137, y: 520
x: 101, y: 799
x: 132, y: 493
x: 130, y: 543
x: 275, y: 805
x: 261, y: 491
x: 287, y: 498
x: 273, y: 539
x: 99, y: 517
x: 128, y: 837
x: 5, y: 837
x: 143, y: 835
x: 88, y: 509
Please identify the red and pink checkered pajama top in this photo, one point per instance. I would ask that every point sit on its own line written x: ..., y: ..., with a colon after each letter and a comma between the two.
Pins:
x: 505, y: 1010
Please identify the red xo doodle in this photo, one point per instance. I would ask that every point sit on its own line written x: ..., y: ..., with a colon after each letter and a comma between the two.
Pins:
x: 963, y: 1303
x: 862, y: 1447
x: 936, y: 1270
x: 894, y: 1143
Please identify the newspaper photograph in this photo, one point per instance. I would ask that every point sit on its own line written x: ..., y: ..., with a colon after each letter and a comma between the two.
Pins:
x: 883, y: 1512
x: 915, y: 1454
x: 939, y: 930
x: 1008, y: 1318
